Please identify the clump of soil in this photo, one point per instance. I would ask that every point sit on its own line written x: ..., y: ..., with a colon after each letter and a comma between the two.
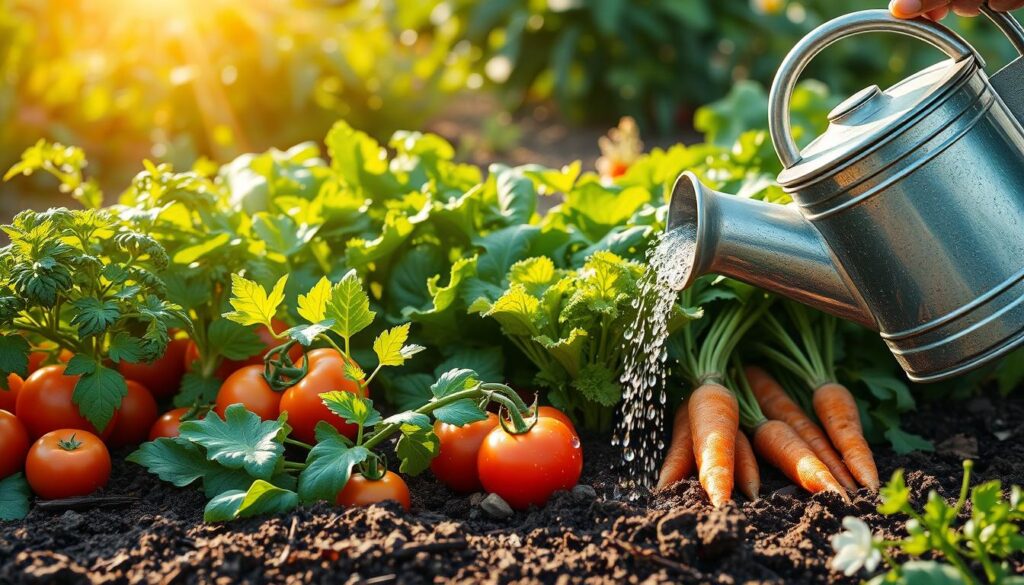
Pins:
x: 597, y: 536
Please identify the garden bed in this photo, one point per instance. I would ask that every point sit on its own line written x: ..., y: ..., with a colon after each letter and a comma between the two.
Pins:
x: 671, y: 537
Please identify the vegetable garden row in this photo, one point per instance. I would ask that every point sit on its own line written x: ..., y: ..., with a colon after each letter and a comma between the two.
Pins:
x: 308, y: 326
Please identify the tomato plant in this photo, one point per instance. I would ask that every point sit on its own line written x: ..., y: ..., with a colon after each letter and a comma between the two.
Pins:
x: 66, y: 463
x: 169, y: 424
x: 302, y: 402
x: 455, y: 464
x: 46, y: 403
x: 362, y: 491
x: 135, y: 416
x: 525, y: 468
x: 9, y: 396
x: 162, y: 377
x: 14, y: 444
x: 248, y: 387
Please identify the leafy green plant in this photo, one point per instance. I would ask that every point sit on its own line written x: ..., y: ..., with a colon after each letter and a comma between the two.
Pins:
x: 83, y: 282
x: 241, y: 458
x: 975, y: 550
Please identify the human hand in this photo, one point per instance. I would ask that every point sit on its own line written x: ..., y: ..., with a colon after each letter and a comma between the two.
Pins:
x: 938, y: 9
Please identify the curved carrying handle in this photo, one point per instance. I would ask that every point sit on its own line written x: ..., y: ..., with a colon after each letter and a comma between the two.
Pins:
x: 853, y: 24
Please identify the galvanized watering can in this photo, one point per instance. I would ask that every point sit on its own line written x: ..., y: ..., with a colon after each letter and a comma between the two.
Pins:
x: 909, y: 209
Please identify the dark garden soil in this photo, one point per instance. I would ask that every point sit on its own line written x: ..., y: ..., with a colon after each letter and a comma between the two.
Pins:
x: 580, y: 537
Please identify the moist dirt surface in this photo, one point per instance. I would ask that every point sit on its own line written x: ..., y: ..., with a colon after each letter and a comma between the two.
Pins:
x: 588, y: 536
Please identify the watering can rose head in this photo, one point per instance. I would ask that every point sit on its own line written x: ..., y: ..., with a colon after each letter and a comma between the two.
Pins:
x: 906, y: 209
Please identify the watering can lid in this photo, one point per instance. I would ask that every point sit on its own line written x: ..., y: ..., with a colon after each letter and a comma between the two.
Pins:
x: 871, y: 116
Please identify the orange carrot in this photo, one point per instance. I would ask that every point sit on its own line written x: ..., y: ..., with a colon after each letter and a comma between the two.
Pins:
x: 679, y: 462
x: 748, y: 476
x: 838, y: 413
x: 777, y: 404
x: 778, y: 443
x: 714, y: 423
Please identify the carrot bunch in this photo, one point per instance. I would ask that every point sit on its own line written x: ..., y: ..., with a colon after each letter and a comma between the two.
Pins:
x: 711, y: 428
x: 706, y: 433
x: 806, y: 350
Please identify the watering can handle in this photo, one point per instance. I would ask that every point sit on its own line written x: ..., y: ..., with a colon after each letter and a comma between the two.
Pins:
x: 853, y: 24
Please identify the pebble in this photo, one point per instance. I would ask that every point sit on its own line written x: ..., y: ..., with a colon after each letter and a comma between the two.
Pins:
x: 496, y: 507
x: 584, y: 493
x: 475, y: 499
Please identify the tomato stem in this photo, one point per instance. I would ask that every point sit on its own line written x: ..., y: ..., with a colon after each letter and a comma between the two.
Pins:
x: 499, y: 393
x: 297, y: 443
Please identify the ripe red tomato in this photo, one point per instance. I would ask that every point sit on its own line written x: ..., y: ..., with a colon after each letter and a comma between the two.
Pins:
x: 360, y: 491
x: 552, y: 412
x: 302, y: 401
x: 248, y: 388
x: 135, y: 416
x: 9, y: 397
x: 455, y: 464
x: 44, y: 404
x: 227, y: 367
x: 526, y: 469
x: 168, y: 425
x: 162, y: 377
x: 13, y: 444
x: 66, y: 463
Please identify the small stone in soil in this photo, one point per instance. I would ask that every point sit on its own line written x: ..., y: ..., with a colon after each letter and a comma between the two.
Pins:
x: 496, y: 507
x: 584, y: 493
x: 475, y: 499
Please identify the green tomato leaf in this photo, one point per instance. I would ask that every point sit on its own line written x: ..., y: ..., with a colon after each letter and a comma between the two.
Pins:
x: 175, y: 461
x: 329, y: 466
x: 241, y: 440
x: 417, y: 446
x: 349, y: 306
x: 126, y: 348
x: 196, y: 389
x: 94, y: 316
x: 80, y: 364
x: 453, y: 381
x: 312, y: 306
x: 98, y: 394
x: 353, y: 409
x: 234, y: 341
x: 354, y: 372
x: 14, y: 350
x: 252, y: 304
x: 14, y: 497
x: 261, y: 498
x: 488, y: 362
x: 460, y: 412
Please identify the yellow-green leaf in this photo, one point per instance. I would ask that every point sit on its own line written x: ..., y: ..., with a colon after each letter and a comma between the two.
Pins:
x: 388, y: 345
x: 313, y: 305
x: 252, y: 304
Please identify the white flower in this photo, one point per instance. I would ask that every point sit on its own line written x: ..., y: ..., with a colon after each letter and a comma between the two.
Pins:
x: 855, y: 548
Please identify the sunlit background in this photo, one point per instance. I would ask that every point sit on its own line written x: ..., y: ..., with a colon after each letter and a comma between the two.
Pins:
x: 178, y: 80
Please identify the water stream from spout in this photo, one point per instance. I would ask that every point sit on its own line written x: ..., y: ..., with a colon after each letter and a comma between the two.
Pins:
x: 640, y: 431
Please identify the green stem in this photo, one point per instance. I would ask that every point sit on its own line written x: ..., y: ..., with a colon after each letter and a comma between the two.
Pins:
x: 294, y: 465
x: 496, y: 392
x: 297, y: 443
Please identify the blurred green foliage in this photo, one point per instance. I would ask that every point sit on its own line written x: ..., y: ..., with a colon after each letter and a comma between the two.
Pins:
x: 656, y: 60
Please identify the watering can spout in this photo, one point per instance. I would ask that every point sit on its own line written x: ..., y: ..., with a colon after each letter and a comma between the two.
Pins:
x: 763, y: 244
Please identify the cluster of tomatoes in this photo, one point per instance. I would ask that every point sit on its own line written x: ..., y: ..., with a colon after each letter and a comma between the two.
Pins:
x: 524, y: 469
x: 64, y: 455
